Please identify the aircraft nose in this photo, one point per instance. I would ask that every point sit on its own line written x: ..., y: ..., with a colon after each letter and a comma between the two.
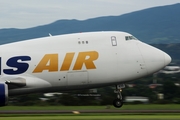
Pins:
x: 154, y: 58
x: 167, y: 59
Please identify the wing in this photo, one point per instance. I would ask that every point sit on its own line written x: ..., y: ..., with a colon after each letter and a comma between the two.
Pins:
x: 22, y: 84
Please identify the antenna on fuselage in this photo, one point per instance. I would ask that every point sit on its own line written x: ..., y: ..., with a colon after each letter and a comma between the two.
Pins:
x: 50, y: 35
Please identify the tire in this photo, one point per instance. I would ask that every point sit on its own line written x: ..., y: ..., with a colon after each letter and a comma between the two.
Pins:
x: 118, y: 103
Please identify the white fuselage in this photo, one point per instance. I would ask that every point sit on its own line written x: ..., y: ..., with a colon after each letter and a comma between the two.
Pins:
x: 77, y: 61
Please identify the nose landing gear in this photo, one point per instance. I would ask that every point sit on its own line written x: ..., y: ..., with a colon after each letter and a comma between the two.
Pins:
x: 118, y: 102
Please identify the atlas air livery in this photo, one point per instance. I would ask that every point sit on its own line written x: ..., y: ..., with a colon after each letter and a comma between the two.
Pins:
x: 76, y: 61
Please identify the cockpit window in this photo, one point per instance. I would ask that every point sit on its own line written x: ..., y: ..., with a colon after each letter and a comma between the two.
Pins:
x: 130, y: 38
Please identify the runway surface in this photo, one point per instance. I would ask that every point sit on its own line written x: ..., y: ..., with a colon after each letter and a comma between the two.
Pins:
x: 84, y: 111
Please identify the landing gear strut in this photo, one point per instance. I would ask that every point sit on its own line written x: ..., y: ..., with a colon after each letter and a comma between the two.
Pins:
x: 118, y: 102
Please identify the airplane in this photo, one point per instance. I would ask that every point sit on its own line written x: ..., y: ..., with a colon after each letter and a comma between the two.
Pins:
x: 170, y: 70
x: 76, y: 61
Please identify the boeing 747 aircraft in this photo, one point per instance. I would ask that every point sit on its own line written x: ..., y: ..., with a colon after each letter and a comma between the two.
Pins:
x: 76, y: 61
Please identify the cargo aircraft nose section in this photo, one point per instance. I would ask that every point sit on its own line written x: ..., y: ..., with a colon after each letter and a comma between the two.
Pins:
x: 167, y: 59
x: 154, y: 58
x: 75, y: 62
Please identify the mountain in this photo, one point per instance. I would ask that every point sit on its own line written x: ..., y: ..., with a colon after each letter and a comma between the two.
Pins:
x: 154, y: 25
x: 172, y: 49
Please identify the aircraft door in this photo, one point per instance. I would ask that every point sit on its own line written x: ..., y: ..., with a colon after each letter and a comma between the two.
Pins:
x: 114, y: 56
x: 113, y: 41
x: 79, y: 78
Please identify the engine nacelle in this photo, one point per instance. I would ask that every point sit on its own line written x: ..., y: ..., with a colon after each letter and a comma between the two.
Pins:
x: 3, y: 94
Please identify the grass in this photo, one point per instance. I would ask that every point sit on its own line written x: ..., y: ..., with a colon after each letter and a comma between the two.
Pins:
x: 125, y: 107
x: 96, y: 117
x: 93, y: 116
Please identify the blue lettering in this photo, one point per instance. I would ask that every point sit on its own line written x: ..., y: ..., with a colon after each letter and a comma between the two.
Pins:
x: 21, y: 67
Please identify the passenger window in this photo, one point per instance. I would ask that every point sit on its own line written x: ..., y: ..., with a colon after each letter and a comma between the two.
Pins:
x: 113, y: 41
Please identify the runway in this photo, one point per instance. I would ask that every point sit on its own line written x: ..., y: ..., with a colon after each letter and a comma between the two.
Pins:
x: 84, y: 111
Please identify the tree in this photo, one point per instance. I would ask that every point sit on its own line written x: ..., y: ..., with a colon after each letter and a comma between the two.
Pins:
x: 170, y: 90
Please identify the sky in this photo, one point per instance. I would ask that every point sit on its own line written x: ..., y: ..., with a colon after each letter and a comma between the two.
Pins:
x: 30, y: 13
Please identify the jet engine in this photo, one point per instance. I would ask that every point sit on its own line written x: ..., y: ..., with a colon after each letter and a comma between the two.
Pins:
x: 3, y: 94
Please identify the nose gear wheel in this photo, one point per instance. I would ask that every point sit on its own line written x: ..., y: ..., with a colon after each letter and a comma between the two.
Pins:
x: 118, y: 102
